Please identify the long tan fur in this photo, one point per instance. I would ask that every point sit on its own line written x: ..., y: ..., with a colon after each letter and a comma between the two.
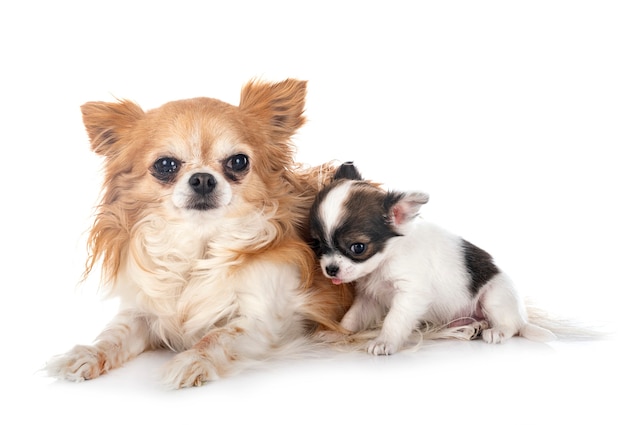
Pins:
x: 225, y: 286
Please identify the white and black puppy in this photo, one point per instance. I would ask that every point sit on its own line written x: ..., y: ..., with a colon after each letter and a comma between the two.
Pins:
x: 406, y: 270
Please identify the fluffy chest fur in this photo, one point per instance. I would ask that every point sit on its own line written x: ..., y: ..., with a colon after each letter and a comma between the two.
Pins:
x: 184, y: 285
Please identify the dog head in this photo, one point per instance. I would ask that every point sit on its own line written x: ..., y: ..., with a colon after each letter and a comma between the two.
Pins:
x: 192, y: 161
x: 353, y: 220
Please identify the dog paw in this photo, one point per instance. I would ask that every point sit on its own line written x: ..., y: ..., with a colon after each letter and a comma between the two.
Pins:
x: 473, y: 330
x: 80, y: 363
x: 189, y: 369
x: 381, y: 348
x: 496, y: 335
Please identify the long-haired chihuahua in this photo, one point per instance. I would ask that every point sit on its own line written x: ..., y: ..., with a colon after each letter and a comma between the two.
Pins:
x: 202, y: 234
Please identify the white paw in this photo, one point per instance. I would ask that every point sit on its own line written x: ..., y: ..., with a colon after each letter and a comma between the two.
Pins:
x: 381, y: 348
x: 476, y: 328
x: 80, y: 363
x: 496, y: 335
x: 189, y: 369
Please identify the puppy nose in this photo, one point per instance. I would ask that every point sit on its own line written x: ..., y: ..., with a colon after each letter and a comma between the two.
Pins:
x: 332, y: 270
x: 202, y: 183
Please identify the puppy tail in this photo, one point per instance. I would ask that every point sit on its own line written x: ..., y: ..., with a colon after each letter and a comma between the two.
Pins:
x: 544, y: 327
x: 537, y: 333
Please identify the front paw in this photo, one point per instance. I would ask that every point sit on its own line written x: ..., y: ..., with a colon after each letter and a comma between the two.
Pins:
x: 80, y: 363
x: 379, y: 347
x: 189, y: 369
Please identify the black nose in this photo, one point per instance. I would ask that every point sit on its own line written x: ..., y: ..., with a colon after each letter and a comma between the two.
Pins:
x: 202, y: 183
x: 332, y: 269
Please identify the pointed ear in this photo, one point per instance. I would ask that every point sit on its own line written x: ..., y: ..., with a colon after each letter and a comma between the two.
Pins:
x: 402, y: 207
x: 107, y: 122
x: 277, y: 107
x: 347, y: 170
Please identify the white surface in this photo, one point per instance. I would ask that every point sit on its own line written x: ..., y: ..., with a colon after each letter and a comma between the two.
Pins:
x: 511, y: 117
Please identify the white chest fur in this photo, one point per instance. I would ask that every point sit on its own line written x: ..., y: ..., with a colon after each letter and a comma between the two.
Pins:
x: 185, y: 285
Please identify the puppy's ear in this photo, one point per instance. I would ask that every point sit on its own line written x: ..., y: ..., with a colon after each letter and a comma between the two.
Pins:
x: 107, y: 122
x: 402, y: 207
x: 277, y: 107
x: 347, y: 170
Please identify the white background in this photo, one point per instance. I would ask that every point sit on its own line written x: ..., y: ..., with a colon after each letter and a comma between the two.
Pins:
x: 511, y: 115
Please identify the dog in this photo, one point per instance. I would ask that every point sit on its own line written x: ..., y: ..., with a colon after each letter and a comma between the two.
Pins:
x: 202, y: 234
x: 407, y: 271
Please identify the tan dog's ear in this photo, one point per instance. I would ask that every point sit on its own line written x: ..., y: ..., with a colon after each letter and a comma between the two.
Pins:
x: 277, y: 107
x: 106, y: 122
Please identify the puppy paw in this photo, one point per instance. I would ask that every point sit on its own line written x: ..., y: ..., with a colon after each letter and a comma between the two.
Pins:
x: 496, y: 335
x: 381, y: 348
x: 189, y: 369
x: 80, y: 363
x: 472, y: 330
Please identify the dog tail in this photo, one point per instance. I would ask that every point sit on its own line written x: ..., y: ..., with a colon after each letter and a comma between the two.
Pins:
x: 537, y: 333
x: 545, y: 327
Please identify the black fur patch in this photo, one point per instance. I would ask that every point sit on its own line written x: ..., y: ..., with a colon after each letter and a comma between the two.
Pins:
x: 347, y: 170
x: 364, y: 222
x: 479, y: 264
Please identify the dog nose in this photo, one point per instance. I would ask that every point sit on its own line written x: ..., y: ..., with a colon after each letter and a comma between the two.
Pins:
x: 202, y: 183
x: 332, y: 270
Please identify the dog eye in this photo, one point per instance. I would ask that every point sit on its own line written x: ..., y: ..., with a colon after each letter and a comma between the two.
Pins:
x: 358, y: 248
x: 238, y: 163
x: 165, y: 168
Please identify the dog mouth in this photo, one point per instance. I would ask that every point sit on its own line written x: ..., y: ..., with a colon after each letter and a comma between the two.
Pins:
x: 333, y: 272
x: 201, y: 205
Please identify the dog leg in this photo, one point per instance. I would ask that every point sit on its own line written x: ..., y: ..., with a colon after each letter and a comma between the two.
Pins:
x: 222, y: 352
x: 208, y: 360
x: 404, y: 314
x: 363, y: 312
x: 123, y: 339
x: 503, y: 310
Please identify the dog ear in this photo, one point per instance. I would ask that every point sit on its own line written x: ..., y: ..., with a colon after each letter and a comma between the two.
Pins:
x: 107, y: 122
x: 347, y: 170
x: 277, y: 107
x: 402, y: 207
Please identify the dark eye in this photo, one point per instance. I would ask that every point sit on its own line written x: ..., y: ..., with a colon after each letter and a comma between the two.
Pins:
x: 358, y: 248
x: 238, y: 163
x: 165, y: 169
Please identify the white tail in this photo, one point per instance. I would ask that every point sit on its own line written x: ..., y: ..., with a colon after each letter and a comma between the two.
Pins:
x: 562, y: 329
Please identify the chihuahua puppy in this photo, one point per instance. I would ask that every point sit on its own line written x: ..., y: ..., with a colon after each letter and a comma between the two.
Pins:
x: 202, y: 234
x: 407, y: 270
